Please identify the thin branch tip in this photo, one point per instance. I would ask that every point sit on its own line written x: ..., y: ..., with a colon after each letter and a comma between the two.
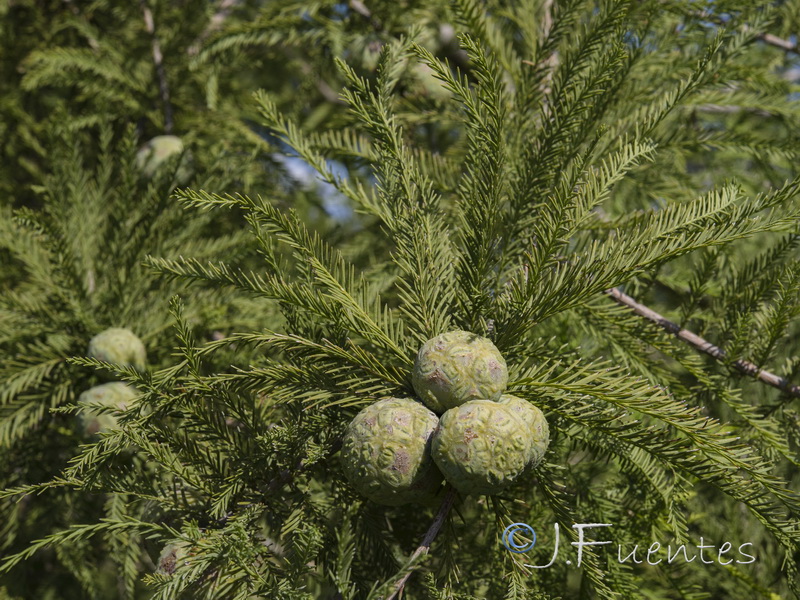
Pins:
x: 698, y: 343
x: 158, y: 62
x: 427, y: 540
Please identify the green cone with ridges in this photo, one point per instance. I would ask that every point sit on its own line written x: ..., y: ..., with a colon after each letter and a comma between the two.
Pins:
x: 120, y: 346
x: 116, y: 394
x: 152, y: 155
x: 535, y: 422
x: 456, y: 367
x: 481, y: 446
x: 386, y: 452
x: 170, y: 557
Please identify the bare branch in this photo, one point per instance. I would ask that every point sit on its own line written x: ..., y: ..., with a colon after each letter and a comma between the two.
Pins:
x: 549, y: 63
x: 698, y: 343
x: 781, y: 43
x: 93, y: 43
x: 287, y: 475
x: 430, y: 535
x: 767, y: 38
x: 361, y: 8
x: 158, y: 61
x: 325, y: 90
x: 214, y: 24
x: 730, y: 109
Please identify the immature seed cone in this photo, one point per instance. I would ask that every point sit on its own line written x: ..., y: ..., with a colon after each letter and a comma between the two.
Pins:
x: 119, y: 345
x: 113, y: 395
x: 535, y: 422
x: 386, y: 452
x: 170, y: 557
x: 456, y: 367
x: 481, y: 446
x: 159, y: 150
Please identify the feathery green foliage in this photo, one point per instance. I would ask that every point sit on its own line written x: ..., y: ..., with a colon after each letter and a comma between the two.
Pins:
x: 503, y: 164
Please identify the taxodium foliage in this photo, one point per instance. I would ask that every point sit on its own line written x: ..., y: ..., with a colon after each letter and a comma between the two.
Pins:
x: 560, y: 154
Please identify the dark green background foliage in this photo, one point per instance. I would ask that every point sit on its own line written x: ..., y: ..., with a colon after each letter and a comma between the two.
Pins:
x: 492, y: 166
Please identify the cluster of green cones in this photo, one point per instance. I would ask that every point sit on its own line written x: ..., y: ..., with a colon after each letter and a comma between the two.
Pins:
x: 119, y: 346
x: 463, y: 428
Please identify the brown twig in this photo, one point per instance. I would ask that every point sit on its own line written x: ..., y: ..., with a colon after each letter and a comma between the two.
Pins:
x: 214, y: 23
x: 774, y: 40
x: 430, y: 535
x: 361, y: 8
x: 326, y: 90
x: 549, y: 63
x: 287, y: 475
x: 698, y: 343
x: 731, y: 109
x: 158, y: 61
x: 767, y: 38
x: 93, y: 43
